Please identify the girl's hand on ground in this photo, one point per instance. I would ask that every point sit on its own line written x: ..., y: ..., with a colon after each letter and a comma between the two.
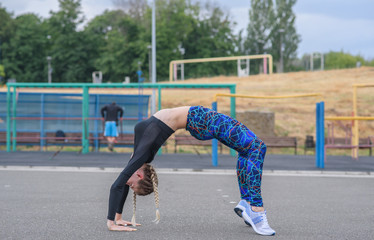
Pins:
x: 125, y: 223
x: 121, y: 228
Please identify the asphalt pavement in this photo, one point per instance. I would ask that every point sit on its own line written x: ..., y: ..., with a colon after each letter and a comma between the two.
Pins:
x: 364, y: 164
x: 67, y: 197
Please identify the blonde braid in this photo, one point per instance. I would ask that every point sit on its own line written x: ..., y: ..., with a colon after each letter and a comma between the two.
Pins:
x: 133, y: 221
x: 155, y: 190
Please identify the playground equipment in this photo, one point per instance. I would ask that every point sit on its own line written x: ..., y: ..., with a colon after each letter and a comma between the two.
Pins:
x: 233, y: 110
x: 41, y: 114
x: 356, y: 136
x: 316, y: 55
x: 11, y: 106
x: 355, y: 118
x: 174, y: 65
x: 97, y: 77
x: 320, y: 151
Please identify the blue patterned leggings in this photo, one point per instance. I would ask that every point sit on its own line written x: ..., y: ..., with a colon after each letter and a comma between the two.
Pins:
x: 204, y: 124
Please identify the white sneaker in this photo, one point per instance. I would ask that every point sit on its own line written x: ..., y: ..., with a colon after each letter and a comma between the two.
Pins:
x: 258, y: 221
x: 240, y: 208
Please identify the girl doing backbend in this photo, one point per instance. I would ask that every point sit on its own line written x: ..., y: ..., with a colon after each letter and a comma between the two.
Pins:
x: 203, y: 124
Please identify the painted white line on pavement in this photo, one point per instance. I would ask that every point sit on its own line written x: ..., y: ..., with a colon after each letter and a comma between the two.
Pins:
x: 188, y: 171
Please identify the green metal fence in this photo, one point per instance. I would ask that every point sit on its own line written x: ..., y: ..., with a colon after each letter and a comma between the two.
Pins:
x: 12, y: 98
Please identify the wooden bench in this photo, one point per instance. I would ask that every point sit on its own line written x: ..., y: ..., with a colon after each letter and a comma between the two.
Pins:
x: 180, y: 140
x: 50, y: 139
x: 2, y: 138
x: 22, y: 138
x: 345, y: 143
x: 280, y: 142
x: 70, y: 139
x: 123, y: 139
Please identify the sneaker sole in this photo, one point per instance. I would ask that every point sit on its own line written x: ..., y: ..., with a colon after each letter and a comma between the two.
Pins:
x: 239, y: 210
x: 250, y: 223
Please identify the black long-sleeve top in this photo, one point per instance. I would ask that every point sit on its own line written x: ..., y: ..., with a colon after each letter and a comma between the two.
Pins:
x: 110, y: 112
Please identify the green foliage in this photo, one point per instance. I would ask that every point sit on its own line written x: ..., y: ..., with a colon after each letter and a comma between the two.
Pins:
x: 2, y: 74
x: 24, y: 55
x: 285, y: 38
x: 370, y: 63
x: 117, y: 42
x: 337, y: 60
x: 71, y: 50
x: 271, y: 29
x: 260, y: 27
x: 211, y: 36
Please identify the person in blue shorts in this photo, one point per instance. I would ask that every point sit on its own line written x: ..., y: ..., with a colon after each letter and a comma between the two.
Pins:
x: 110, y: 114
x: 204, y: 124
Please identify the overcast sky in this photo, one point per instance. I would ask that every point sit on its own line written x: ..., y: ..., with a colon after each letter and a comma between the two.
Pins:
x: 324, y: 25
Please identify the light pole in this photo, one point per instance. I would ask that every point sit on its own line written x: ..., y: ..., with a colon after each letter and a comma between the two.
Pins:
x: 49, y: 59
x: 1, y: 78
x: 0, y: 50
x: 281, y: 31
x: 182, y: 51
x: 150, y: 62
x: 153, y: 106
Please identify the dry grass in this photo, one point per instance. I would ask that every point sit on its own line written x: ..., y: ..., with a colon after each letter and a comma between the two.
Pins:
x: 293, y: 117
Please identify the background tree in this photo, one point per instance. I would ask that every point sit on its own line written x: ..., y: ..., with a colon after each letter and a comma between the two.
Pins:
x: 120, y: 42
x: 211, y: 36
x: 71, y: 50
x: 284, y: 38
x: 135, y: 9
x: 24, y: 56
x: 338, y: 60
x: 6, y: 32
x: 260, y: 30
x: 174, y: 21
x: 271, y: 29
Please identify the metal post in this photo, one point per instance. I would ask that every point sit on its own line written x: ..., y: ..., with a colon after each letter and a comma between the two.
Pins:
x: 85, y: 123
x: 320, y: 138
x: 42, y: 99
x: 265, y: 65
x: 14, y: 121
x: 176, y: 72
x: 281, y: 31
x: 153, y: 105
x: 239, y: 68
x: 355, y: 137
x: 232, y: 113
x: 248, y: 67
x: 96, y: 126
x: 49, y: 58
x: 8, y: 124
x: 150, y: 62
x: 214, y: 143
x: 311, y: 61
x: 159, y: 108
x: 159, y: 98
x: 317, y: 134
x: 182, y: 71
x: 322, y: 135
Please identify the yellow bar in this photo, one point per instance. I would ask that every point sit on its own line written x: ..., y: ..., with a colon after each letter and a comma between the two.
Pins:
x: 363, y: 85
x: 350, y: 118
x: 220, y: 59
x: 265, y: 97
x: 355, y: 137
